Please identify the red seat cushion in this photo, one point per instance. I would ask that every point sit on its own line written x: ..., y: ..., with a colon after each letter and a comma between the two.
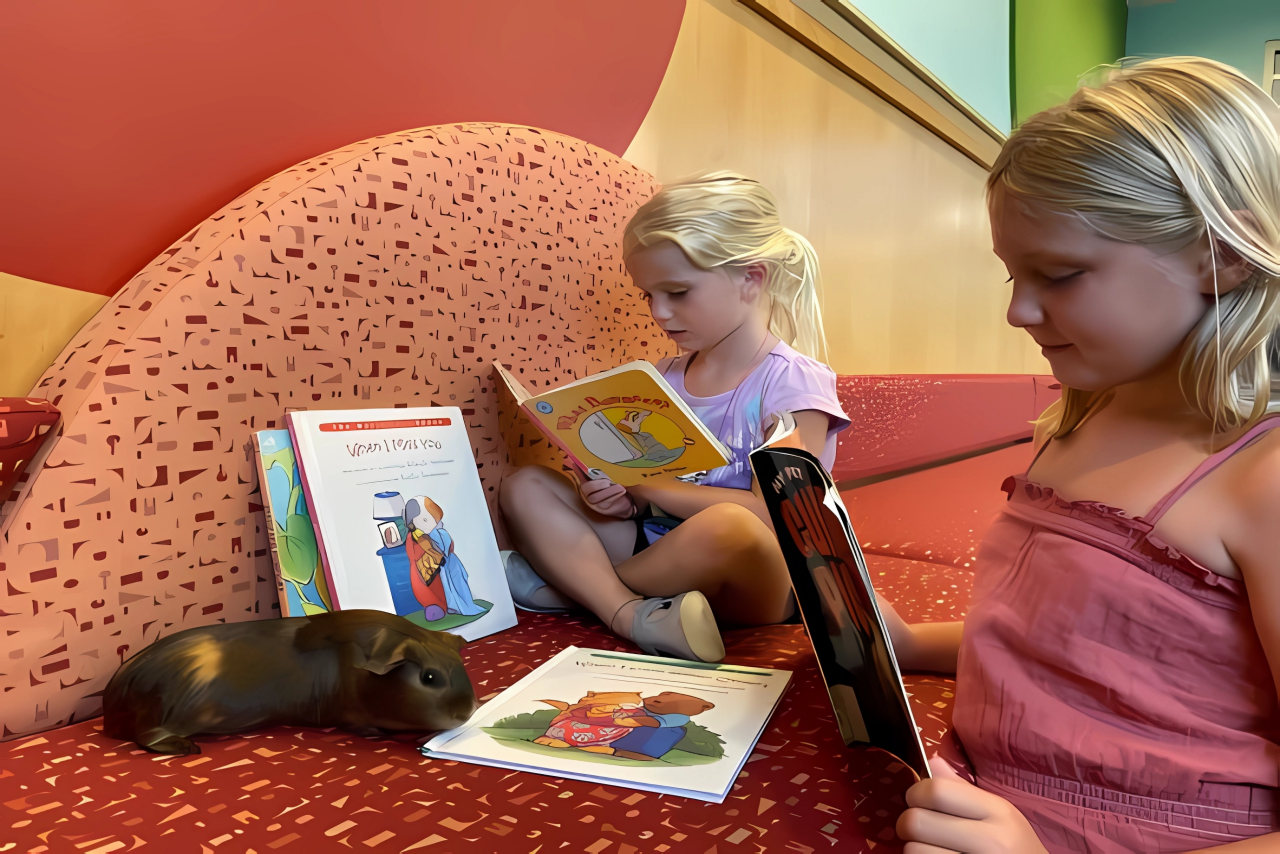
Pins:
x: 906, y: 420
x: 300, y: 790
x: 937, y: 515
x: 921, y: 591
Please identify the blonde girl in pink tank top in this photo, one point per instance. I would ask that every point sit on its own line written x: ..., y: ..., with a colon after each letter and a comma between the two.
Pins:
x: 1116, y: 674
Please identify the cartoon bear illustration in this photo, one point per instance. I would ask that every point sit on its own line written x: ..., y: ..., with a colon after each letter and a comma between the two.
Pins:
x: 661, y: 726
x: 593, y: 722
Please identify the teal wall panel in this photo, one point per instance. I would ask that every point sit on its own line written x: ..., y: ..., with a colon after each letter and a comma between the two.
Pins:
x: 1230, y: 31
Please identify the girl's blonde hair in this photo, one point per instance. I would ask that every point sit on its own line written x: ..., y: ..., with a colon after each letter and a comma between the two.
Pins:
x: 1162, y: 152
x: 723, y: 218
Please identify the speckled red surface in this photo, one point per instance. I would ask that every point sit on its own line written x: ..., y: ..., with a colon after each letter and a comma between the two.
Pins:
x: 74, y: 789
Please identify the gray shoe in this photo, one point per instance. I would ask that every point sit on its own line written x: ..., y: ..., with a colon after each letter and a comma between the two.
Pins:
x: 528, y: 591
x: 680, y: 626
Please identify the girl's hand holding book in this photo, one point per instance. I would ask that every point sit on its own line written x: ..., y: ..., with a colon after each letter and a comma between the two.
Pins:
x: 607, y: 498
x: 948, y: 813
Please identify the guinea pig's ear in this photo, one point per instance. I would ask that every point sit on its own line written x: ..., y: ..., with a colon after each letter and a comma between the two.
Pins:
x: 381, y: 650
x: 454, y: 642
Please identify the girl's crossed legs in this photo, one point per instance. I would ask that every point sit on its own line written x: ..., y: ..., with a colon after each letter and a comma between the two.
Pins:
x: 725, y: 552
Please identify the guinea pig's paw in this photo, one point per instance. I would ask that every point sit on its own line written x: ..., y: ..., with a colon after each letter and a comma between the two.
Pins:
x: 174, y: 745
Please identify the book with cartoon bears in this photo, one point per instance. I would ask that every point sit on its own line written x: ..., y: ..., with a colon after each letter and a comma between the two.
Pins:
x: 640, y: 721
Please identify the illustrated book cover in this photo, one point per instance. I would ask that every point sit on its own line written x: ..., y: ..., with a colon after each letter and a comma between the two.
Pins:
x: 640, y: 721
x: 400, y: 517
x: 837, y: 603
x: 626, y: 423
x: 295, y: 554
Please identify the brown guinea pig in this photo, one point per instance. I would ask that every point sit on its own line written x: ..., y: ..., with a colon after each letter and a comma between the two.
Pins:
x: 366, y: 671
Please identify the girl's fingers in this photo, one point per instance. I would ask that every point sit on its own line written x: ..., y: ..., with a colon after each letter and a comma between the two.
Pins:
x: 601, y: 490
x: 938, y: 831
x: 926, y: 848
x: 951, y: 795
x: 942, y: 769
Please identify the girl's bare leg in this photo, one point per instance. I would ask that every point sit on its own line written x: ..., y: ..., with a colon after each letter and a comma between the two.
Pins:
x: 571, y: 548
x: 725, y: 552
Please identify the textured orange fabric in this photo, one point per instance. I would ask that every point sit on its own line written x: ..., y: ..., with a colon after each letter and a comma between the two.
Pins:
x: 390, y: 272
x: 25, y: 425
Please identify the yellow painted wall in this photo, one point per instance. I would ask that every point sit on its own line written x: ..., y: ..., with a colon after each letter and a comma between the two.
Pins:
x: 36, y: 322
x: 897, y: 216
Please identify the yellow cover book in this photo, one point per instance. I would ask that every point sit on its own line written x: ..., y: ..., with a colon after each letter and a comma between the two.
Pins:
x: 626, y: 423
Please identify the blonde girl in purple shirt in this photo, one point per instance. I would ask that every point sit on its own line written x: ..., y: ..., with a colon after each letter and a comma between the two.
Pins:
x: 738, y: 294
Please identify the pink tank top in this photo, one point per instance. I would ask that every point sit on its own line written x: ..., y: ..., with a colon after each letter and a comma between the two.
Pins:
x: 1112, y: 688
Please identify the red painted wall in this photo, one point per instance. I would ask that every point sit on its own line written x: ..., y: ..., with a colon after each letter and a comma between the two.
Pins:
x: 128, y: 123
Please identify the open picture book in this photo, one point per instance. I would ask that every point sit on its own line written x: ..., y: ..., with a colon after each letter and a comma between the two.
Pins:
x: 626, y: 423
x: 837, y: 602
x: 640, y: 721
x: 399, y: 518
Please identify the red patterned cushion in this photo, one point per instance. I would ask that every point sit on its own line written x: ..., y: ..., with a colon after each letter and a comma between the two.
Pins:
x: 25, y: 424
x: 902, y: 421
x: 287, y: 790
x: 938, y: 515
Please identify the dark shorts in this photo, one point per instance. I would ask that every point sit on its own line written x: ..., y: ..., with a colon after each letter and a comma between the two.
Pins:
x: 650, y: 527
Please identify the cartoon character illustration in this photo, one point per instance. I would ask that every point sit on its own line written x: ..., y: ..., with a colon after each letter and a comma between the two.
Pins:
x: 388, y: 516
x: 661, y: 726
x: 439, y: 579
x: 622, y: 724
x: 632, y: 437
x: 592, y: 722
x: 296, y: 549
x: 650, y: 448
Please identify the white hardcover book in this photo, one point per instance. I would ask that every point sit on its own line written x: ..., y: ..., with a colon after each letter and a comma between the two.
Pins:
x: 400, y: 516
x: 641, y: 721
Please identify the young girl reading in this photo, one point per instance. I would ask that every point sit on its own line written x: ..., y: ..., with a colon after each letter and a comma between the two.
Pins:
x: 1116, y: 675
x: 738, y: 293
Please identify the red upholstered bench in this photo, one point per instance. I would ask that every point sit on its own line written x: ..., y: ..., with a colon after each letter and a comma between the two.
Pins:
x: 393, y: 271
x: 298, y: 789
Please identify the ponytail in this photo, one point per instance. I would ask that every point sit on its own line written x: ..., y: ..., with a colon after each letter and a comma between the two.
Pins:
x: 795, y: 312
x: 722, y: 218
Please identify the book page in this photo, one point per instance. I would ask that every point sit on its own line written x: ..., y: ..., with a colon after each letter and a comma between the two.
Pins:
x: 641, y: 721
x: 627, y: 424
x: 518, y: 391
x: 300, y: 577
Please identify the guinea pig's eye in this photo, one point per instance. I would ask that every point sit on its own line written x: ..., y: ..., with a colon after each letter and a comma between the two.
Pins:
x: 430, y: 677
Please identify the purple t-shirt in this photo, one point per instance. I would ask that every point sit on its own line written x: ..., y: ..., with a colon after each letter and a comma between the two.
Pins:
x: 786, y: 381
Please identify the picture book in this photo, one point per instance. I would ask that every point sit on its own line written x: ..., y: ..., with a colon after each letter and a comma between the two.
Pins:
x: 640, y: 721
x: 300, y: 576
x: 837, y: 603
x: 627, y: 424
x: 400, y: 517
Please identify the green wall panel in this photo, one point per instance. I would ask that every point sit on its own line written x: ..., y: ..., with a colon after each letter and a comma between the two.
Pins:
x: 1055, y: 42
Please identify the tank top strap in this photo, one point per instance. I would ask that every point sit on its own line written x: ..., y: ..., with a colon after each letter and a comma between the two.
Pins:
x: 1209, y: 465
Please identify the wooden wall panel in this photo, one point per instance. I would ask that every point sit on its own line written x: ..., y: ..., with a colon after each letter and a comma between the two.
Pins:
x: 36, y: 321
x: 896, y: 214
